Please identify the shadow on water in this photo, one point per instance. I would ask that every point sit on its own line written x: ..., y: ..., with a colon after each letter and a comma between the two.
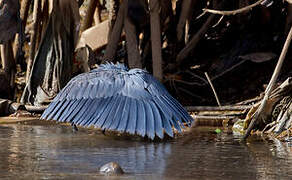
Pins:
x: 55, y: 152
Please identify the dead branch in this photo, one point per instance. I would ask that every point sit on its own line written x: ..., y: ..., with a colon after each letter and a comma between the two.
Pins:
x: 213, y: 89
x: 216, y: 108
x: 156, y: 39
x: 233, y: 12
x: 270, y: 85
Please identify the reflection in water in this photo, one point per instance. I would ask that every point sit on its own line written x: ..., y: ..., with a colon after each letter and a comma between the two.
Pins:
x: 50, y: 152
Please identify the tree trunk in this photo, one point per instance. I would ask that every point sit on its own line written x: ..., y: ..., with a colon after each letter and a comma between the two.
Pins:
x: 89, y: 15
x: 33, y: 38
x: 115, y: 36
x: 113, y: 7
x: 8, y: 62
x: 134, y: 58
x: 187, y: 6
x: 156, y: 39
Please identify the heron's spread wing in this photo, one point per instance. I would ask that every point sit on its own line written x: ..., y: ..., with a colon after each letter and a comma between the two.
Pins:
x: 112, y: 97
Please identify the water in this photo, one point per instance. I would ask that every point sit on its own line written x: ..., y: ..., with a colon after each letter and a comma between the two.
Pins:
x: 55, y: 152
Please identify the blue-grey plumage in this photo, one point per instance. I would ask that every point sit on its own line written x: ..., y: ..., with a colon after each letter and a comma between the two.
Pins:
x: 133, y: 116
x: 76, y: 110
x: 84, y: 110
x: 99, y: 104
x: 150, y: 127
x: 113, y: 97
x: 89, y: 114
x: 157, y: 120
x: 65, y: 116
x: 124, y: 116
x: 141, y: 119
x: 61, y: 109
x: 111, y: 114
x: 118, y: 114
x: 55, y: 110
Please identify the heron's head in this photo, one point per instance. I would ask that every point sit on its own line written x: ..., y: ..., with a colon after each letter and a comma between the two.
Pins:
x: 111, y: 66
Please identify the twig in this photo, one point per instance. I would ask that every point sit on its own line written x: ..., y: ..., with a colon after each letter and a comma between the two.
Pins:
x: 202, y: 14
x: 218, y: 22
x: 271, y: 84
x: 213, y: 89
x: 233, y: 12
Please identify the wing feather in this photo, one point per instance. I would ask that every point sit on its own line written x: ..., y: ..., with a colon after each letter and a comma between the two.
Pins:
x: 87, y: 119
x: 49, y: 110
x: 141, y: 119
x: 100, y: 104
x: 111, y: 113
x: 157, y: 120
x: 125, y: 115
x: 165, y: 116
x: 76, y: 110
x: 187, y: 118
x: 61, y: 109
x: 106, y: 111
x: 117, y: 118
x: 149, y: 120
x: 65, y: 116
x: 82, y: 112
x: 55, y: 110
x: 133, y: 117
x: 67, y: 111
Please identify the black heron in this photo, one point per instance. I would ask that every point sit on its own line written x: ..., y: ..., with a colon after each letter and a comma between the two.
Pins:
x: 112, y: 97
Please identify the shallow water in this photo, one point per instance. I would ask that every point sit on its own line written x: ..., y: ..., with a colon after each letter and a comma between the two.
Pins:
x: 55, y: 152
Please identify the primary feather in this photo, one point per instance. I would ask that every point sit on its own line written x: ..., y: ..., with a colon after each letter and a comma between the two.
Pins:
x: 116, y: 98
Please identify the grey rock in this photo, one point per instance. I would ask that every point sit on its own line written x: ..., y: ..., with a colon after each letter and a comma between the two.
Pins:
x: 111, y: 168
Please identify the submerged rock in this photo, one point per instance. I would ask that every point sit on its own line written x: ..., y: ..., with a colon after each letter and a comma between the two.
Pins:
x: 111, y: 168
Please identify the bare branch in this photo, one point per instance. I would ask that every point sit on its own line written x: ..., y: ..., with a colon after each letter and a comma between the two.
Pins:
x: 233, y: 12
